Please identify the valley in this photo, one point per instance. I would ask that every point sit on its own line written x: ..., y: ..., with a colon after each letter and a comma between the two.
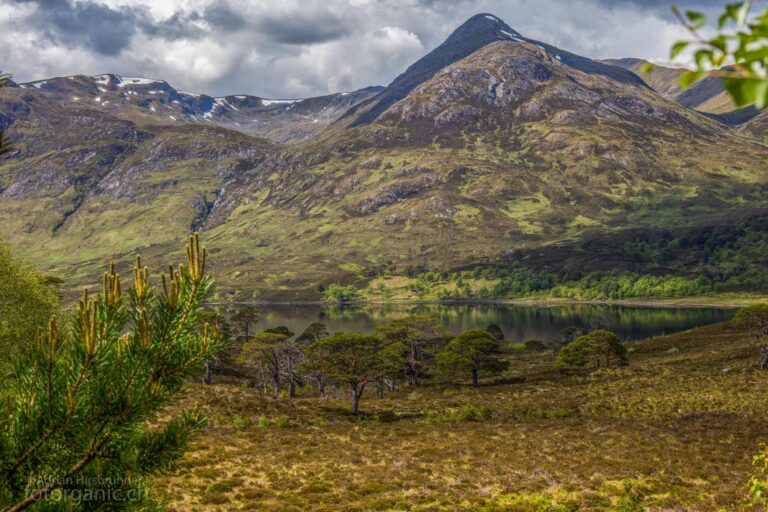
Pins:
x: 515, y: 278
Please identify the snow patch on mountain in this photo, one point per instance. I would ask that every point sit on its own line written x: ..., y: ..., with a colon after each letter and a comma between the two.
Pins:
x: 511, y: 36
x: 222, y: 102
x: 267, y: 103
x: 122, y: 81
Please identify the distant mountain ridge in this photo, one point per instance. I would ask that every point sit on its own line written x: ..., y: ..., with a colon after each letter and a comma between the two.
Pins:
x: 157, y: 102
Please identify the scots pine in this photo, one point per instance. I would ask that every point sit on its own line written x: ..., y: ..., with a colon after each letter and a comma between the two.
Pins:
x: 81, y: 430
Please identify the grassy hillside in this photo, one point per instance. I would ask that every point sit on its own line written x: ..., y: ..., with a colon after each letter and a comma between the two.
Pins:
x: 449, y: 179
x: 678, y: 426
x: 516, y: 149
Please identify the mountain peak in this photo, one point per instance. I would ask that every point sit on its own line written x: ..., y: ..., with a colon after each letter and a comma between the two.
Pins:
x: 477, y: 32
x: 485, y: 22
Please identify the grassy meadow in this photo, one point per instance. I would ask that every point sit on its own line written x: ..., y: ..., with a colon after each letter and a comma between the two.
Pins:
x: 673, y: 431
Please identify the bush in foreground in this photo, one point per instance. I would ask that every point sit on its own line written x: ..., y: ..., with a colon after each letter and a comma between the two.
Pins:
x: 75, y: 435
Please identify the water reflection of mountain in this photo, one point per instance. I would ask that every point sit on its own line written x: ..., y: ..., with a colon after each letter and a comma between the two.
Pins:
x: 518, y: 322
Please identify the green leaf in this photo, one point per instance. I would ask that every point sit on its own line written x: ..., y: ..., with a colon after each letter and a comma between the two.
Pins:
x: 747, y: 91
x: 691, y: 77
x: 756, y: 54
x: 720, y: 42
x: 733, y: 12
x: 677, y: 48
x: 743, y: 12
x: 647, y: 67
x: 703, y: 59
x: 696, y: 19
x: 723, y: 20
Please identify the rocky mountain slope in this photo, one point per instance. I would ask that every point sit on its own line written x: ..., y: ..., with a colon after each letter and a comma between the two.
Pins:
x: 478, y: 32
x: 155, y: 102
x: 475, y: 153
x: 81, y: 184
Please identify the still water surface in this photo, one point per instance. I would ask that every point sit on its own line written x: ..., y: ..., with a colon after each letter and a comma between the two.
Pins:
x: 518, y: 322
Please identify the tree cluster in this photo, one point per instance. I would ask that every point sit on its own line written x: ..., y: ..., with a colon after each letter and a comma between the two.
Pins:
x: 407, y: 350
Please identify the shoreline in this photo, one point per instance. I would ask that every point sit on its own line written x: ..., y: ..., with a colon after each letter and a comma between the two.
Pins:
x: 723, y: 302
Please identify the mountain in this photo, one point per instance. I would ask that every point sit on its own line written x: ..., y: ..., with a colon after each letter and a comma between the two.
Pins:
x: 491, y: 146
x: 147, y: 101
x: 81, y: 184
x: 758, y: 125
x: 664, y: 80
x: 476, y: 33
x: 707, y: 95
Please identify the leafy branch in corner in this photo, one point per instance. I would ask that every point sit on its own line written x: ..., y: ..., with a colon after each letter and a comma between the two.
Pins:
x: 737, y: 54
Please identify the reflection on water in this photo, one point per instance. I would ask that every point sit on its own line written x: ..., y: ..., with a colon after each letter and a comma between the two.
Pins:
x: 518, y: 322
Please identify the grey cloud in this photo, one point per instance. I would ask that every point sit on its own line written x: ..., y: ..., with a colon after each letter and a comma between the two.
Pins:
x: 96, y: 26
x: 298, y: 28
x: 181, y: 25
x: 108, y: 31
x: 221, y: 16
x: 48, y: 4
x: 178, y: 26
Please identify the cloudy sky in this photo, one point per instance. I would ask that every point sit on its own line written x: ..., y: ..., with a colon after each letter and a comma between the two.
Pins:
x: 299, y: 48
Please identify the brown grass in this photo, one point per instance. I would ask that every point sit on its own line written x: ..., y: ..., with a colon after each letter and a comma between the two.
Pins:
x: 679, y: 425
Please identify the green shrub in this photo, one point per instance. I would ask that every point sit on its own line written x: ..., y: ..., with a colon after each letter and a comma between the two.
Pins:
x: 385, y: 416
x: 535, y: 345
x: 227, y: 485
x: 472, y: 413
x: 632, y: 501
x: 341, y: 294
x: 215, y: 498
x: 758, y: 483
x: 241, y: 422
x: 521, y: 503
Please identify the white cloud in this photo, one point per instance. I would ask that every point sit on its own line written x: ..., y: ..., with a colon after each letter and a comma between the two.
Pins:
x: 296, y: 48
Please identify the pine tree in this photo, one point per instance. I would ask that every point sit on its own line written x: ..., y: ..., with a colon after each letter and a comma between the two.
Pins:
x: 355, y: 360
x: 596, y: 349
x: 75, y: 434
x: 420, y: 334
x: 263, y: 352
x: 474, y: 352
